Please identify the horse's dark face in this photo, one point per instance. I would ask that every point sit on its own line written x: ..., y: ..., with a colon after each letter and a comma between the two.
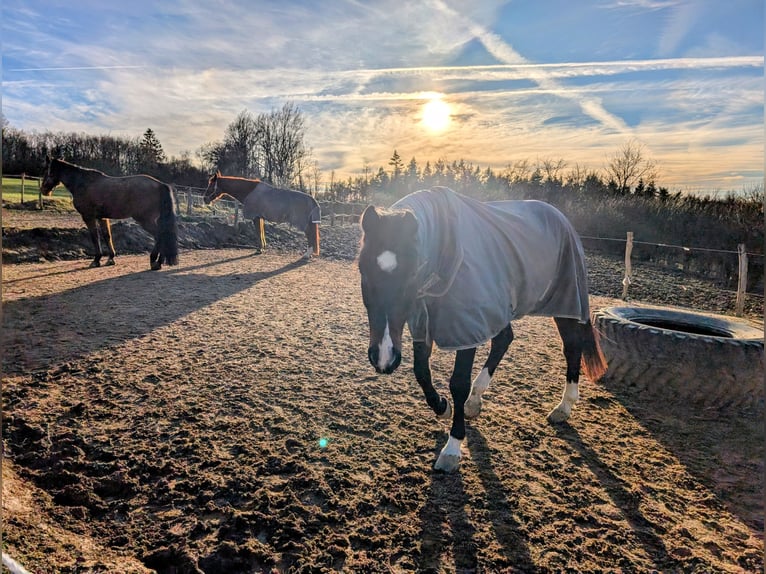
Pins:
x: 388, y: 266
x: 51, y: 179
x: 212, y: 193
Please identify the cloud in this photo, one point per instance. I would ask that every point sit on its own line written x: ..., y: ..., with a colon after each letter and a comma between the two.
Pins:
x: 360, y: 71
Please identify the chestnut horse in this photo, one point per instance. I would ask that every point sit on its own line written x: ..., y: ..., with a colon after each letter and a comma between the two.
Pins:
x: 458, y: 271
x: 262, y: 201
x: 99, y: 197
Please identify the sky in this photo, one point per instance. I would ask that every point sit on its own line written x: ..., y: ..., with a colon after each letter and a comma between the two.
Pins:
x: 517, y: 80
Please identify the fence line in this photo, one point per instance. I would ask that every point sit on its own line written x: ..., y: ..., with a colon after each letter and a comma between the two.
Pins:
x: 739, y: 307
x: 682, y: 247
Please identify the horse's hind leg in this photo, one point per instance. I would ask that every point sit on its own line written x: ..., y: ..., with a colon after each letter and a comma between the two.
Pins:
x: 155, y: 258
x: 500, y: 344
x: 94, y: 237
x: 571, y: 332
x: 106, y: 232
x: 260, y: 230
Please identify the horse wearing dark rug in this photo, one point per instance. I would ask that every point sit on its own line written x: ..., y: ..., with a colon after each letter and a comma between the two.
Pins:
x: 262, y: 201
x: 99, y: 197
x: 458, y: 271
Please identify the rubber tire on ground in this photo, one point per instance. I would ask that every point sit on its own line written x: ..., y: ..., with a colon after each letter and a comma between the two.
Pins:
x: 698, y: 360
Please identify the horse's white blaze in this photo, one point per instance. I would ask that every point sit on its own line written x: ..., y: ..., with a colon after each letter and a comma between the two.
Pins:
x: 387, y: 261
x: 386, y: 350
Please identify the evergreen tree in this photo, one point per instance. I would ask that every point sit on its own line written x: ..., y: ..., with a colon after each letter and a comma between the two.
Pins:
x: 150, y: 154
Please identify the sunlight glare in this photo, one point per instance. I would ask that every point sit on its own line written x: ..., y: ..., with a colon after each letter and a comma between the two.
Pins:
x: 436, y: 114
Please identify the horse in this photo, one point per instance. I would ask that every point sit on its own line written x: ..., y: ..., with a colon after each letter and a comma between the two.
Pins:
x: 458, y: 271
x: 262, y: 201
x: 99, y: 197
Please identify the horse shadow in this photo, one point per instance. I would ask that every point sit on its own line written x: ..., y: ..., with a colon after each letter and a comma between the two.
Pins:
x: 644, y: 529
x: 44, y: 331
x: 709, y: 443
x: 446, y: 509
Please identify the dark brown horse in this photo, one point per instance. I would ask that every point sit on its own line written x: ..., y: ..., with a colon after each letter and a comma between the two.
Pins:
x: 262, y: 201
x: 99, y: 197
x: 458, y: 271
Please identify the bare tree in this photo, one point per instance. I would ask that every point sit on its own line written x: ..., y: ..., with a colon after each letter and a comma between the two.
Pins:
x: 630, y: 165
x: 551, y: 168
x: 281, y: 148
x: 516, y: 172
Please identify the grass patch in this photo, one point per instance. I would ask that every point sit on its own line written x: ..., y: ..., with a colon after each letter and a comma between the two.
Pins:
x: 11, y: 190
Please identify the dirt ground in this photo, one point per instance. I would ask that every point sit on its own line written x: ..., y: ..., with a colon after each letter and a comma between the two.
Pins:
x: 221, y: 416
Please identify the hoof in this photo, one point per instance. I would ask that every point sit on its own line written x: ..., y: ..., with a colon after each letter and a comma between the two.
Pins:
x: 94, y: 264
x: 447, y: 414
x: 559, y: 414
x: 109, y: 262
x: 472, y: 407
x: 447, y: 463
x: 156, y: 266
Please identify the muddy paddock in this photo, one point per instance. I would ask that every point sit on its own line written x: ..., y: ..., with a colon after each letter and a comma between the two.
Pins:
x: 221, y: 416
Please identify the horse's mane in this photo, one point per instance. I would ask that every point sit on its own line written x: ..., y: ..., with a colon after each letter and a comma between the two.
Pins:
x: 247, y: 179
x: 90, y: 170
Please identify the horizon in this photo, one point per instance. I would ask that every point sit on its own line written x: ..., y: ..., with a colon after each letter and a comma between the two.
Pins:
x: 498, y: 83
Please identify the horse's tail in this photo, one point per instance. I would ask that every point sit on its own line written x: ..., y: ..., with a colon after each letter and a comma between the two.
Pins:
x: 167, y: 239
x: 593, y: 361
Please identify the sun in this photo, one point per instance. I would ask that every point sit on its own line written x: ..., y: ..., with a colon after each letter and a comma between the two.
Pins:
x: 436, y: 114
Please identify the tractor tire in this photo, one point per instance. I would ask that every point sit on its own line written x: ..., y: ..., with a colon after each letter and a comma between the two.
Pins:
x: 701, y: 361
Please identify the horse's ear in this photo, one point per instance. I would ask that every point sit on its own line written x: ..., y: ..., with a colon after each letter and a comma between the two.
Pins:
x: 370, y: 218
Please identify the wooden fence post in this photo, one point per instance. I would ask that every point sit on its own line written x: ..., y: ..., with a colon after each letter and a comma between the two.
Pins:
x: 628, y: 271
x: 40, y: 193
x: 23, y: 177
x: 739, y: 308
x: 189, y: 203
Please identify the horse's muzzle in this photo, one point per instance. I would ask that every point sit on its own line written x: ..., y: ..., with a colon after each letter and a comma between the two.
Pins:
x: 373, y: 353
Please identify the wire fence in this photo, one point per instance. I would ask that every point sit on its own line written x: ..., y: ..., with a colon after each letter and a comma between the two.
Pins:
x: 719, y: 264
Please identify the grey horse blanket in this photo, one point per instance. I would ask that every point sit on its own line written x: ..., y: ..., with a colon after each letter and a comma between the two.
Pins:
x: 482, y: 265
x: 281, y: 206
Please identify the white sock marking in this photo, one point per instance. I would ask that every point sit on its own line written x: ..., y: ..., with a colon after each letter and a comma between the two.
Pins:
x: 481, y: 382
x: 387, y: 261
x: 386, y: 350
x: 571, y: 394
x: 452, y: 448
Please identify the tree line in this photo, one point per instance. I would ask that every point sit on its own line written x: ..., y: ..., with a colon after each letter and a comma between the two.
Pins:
x: 272, y: 146
x: 623, y: 195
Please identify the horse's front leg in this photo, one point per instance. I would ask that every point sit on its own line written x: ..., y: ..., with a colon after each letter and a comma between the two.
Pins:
x: 422, y: 357
x: 106, y: 232
x: 460, y: 387
x: 500, y: 344
x: 93, y: 231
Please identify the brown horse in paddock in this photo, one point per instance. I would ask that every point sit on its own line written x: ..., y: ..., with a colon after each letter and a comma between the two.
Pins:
x: 262, y: 201
x: 99, y: 197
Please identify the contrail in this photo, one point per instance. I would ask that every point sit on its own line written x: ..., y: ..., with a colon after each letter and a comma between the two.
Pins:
x: 501, y: 50
x: 73, y: 68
